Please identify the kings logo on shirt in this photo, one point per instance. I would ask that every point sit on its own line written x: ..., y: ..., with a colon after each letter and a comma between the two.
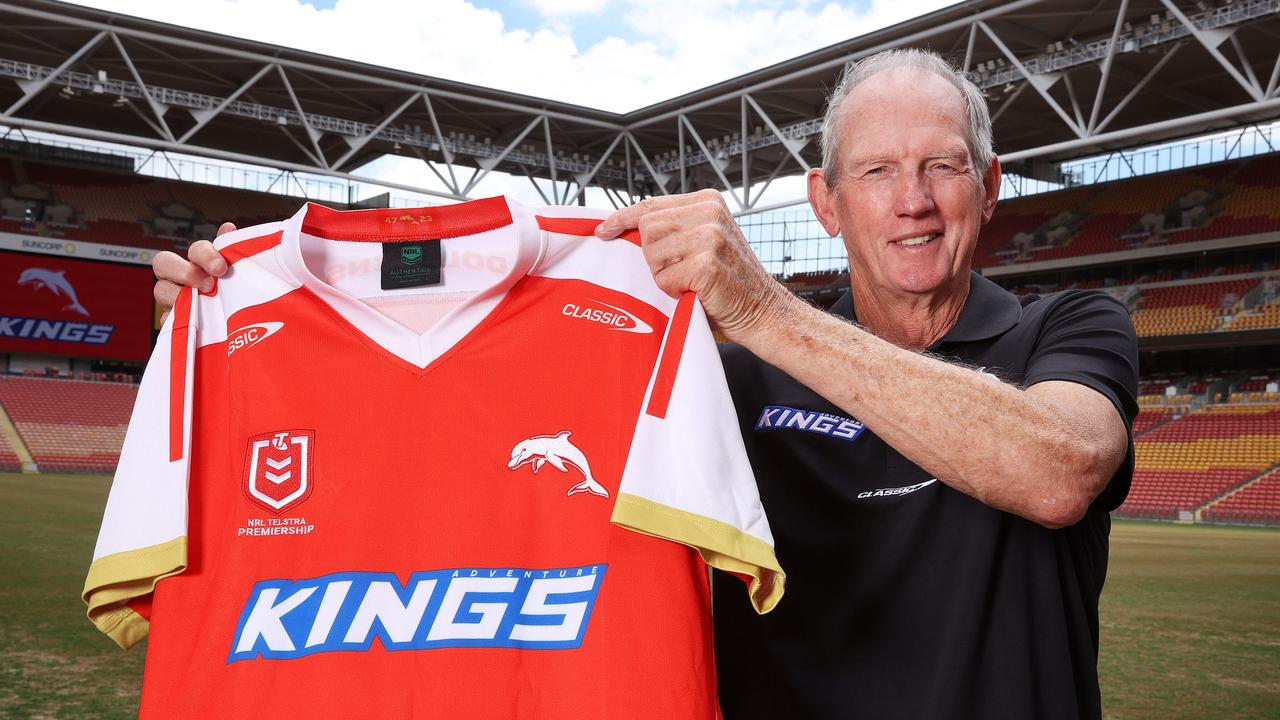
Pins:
x: 278, y: 469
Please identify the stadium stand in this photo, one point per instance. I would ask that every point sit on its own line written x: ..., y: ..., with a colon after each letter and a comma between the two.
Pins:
x: 1191, y: 308
x: 69, y: 425
x: 52, y: 200
x: 1223, y: 200
x: 8, y: 457
x: 1185, y: 463
x: 1257, y: 503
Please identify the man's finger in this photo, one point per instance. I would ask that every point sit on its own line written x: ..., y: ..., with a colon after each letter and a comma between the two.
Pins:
x: 628, y: 218
x: 166, y: 294
x: 225, y: 228
x: 203, y: 254
x: 169, y: 266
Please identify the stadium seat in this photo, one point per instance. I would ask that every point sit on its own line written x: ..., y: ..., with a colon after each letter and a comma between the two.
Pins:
x: 1182, y: 464
x: 68, y: 425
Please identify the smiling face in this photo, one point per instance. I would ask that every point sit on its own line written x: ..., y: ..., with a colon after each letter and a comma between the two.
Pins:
x: 908, y: 201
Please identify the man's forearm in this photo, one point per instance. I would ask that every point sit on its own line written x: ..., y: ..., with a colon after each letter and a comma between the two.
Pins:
x: 1038, y: 454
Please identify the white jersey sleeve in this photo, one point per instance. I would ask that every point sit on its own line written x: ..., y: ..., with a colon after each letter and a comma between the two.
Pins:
x: 687, y: 476
x: 144, y: 527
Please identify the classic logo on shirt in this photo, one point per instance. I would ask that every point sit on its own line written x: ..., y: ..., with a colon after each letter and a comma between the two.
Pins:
x: 557, y: 451
x: 278, y: 469
x: 781, y: 417
x: 895, y: 491
x: 465, y: 607
x: 251, y: 335
x: 615, y: 318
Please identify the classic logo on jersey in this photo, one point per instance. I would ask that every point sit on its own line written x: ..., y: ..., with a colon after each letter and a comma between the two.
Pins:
x: 781, y: 417
x: 895, y: 491
x: 251, y: 335
x: 557, y: 451
x: 464, y: 607
x: 615, y: 318
x: 278, y: 469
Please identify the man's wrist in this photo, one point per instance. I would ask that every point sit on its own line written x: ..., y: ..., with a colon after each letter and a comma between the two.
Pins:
x: 776, y: 317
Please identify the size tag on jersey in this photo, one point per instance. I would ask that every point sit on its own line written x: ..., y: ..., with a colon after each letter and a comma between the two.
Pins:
x: 410, y: 264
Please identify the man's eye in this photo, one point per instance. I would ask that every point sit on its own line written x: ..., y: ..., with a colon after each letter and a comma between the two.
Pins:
x: 875, y: 171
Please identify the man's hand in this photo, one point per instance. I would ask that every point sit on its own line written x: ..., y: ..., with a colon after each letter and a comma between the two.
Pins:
x: 692, y: 243
x: 203, y: 263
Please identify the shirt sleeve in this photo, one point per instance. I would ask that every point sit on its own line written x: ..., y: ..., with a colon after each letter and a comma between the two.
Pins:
x: 144, y: 527
x: 1088, y: 338
x: 687, y: 477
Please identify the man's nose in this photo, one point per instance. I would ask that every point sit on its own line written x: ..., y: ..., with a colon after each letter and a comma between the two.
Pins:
x: 914, y: 196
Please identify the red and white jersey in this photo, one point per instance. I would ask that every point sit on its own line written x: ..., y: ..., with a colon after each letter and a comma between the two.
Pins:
x: 489, y: 497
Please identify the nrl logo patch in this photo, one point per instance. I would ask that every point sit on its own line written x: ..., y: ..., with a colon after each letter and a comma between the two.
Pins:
x: 278, y: 469
x: 411, y: 254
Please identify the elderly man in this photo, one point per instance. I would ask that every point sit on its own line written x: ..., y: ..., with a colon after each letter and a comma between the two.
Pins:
x: 937, y: 456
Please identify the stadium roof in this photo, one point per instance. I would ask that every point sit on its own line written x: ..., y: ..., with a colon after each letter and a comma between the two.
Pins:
x: 1064, y: 78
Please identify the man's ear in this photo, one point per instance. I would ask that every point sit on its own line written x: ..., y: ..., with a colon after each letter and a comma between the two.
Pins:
x: 823, y: 200
x: 990, y: 189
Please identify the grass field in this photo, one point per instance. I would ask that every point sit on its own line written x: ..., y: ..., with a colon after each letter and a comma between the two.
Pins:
x: 1190, y: 615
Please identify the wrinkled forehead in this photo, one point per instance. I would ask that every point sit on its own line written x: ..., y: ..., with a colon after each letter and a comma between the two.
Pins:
x: 904, y: 101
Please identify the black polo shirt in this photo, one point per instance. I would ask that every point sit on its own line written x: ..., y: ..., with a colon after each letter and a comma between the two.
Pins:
x: 907, y: 599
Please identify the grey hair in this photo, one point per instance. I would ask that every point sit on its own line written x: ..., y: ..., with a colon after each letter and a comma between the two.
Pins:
x: 979, y: 135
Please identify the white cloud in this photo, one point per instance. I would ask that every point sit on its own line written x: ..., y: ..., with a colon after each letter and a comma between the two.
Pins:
x: 561, y: 8
x: 662, y: 48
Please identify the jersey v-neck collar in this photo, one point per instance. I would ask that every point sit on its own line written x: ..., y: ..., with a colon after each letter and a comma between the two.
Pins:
x: 398, y: 225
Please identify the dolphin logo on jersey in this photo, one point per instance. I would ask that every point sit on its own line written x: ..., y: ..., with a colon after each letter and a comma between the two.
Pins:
x: 56, y: 282
x: 560, y: 454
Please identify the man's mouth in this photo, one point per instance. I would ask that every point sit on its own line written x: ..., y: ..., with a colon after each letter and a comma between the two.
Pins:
x: 917, y: 240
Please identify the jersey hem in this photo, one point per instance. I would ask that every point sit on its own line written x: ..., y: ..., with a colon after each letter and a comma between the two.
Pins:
x: 720, y: 544
x: 115, y: 579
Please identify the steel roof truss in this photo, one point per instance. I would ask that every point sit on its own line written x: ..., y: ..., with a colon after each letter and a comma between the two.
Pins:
x: 716, y: 163
x: 1210, y: 40
x: 1137, y: 88
x: 357, y: 143
x: 451, y: 182
x: 525, y: 171
x: 487, y: 164
x: 1040, y: 82
x: 793, y: 146
x: 1008, y: 103
x: 203, y: 117
x: 315, y: 162
x: 312, y: 134
x: 659, y: 178
x: 585, y: 178
x: 551, y: 164
x: 32, y: 88
x: 1106, y: 67
x: 156, y: 108
x: 1275, y: 77
x: 444, y: 147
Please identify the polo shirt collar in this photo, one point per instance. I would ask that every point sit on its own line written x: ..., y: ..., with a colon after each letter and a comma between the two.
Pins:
x: 988, y: 311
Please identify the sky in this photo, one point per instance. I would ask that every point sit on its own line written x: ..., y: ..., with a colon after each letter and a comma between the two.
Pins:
x: 615, y: 55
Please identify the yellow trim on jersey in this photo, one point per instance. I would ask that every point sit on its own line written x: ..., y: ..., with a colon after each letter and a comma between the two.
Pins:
x: 117, y: 578
x: 721, y: 545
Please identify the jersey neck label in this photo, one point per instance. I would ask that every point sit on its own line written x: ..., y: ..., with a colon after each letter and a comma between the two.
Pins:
x: 410, y: 264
